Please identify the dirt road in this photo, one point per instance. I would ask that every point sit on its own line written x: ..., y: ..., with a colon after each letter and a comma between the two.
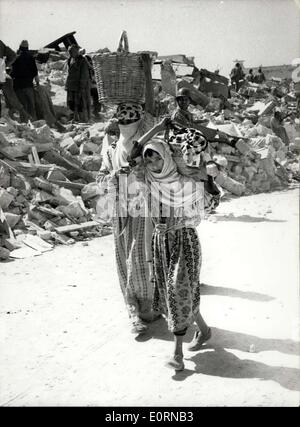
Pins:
x: 65, y: 338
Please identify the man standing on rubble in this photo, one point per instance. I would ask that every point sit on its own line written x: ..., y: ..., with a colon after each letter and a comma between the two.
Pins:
x: 250, y: 76
x: 237, y: 76
x: 184, y: 118
x: 24, y: 71
x: 259, y: 77
x: 78, y: 84
x: 8, y: 56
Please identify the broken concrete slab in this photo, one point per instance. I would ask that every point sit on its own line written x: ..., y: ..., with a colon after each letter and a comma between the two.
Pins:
x: 45, y: 235
x: 4, y: 177
x: 4, y: 254
x: 92, y: 163
x: 13, y: 191
x: 36, y: 243
x: 75, y: 209
x: 11, y: 243
x: 64, y: 196
x: 43, y: 184
x: 21, y: 183
x: 12, y: 219
x: 4, y: 141
x: 70, y: 145
x: 44, y: 134
x: 5, y: 198
x: 243, y: 147
x: 89, y: 148
x: 56, y: 175
x: 40, y: 196
x: 24, y: 252
x: 60, y: 238
x: 49, y: 211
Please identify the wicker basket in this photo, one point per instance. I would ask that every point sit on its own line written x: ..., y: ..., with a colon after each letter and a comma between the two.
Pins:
x: 119, y: 75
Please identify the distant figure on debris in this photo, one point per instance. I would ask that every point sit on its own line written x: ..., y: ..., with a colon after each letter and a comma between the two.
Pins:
x: 78, y: 85
x: 182, y: 113
x: 237, y: 76
x: 250, y: 76
x: 278, y: 128
x: 7, y: 57
x: 259, y: 77
x: 24, y: 71
x: 94, y: 92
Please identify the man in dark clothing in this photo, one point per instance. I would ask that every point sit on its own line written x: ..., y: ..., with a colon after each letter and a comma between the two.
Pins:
x: 250, y: 76
x: 259, y: 77
x: 11, y: 100
x: 78, y: 85
x: 24, y: 71
x: 237, y: 76
x: 94, y: 92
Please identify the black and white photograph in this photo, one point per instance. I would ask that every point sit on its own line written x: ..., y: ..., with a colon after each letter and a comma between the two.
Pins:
x: 149, y: 206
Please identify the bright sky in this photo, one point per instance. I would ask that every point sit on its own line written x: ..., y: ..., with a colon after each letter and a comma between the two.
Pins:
x: 215, y: 32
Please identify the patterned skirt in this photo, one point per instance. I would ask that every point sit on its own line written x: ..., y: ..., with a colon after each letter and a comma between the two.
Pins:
x: 132, y: 266
x: 176, y: 268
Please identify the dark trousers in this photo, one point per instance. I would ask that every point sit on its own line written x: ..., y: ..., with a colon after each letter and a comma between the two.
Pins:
x: 26, y: 97
x: 12, y: 101
x: 96, y: 103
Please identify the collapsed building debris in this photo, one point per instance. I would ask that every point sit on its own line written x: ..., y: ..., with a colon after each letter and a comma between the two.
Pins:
x: 46, y: 175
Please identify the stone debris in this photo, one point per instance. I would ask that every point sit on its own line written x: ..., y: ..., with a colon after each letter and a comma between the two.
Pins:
x: 48, y: 193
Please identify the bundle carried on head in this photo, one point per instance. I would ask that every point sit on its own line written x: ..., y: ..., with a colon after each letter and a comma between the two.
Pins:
x: 187, y: 145
x: 119, y: 75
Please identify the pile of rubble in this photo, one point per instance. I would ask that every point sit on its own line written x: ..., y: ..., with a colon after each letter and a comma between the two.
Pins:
x: 46, y: 175
x: 254, y: 160
x: 43, y: 179
x: 251, y: 158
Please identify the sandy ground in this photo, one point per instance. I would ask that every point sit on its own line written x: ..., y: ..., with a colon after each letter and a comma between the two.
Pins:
x: 66, y: 341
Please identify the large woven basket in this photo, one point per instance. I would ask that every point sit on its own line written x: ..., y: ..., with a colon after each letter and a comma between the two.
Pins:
x: 119, y: 75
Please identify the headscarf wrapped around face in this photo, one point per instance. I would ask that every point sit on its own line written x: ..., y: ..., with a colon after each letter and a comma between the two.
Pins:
x: 128, y: 113
x: 168, y: 186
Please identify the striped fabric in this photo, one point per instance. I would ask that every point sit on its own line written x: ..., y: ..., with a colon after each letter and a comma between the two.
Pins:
x: 176, y: 266
x: 132, y: 266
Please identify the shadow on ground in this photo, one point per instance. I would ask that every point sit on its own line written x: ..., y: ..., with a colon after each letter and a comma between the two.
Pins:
x: 235, y: 293
x: 227, y: 339
x: 215, y: 360
x: 245, y: 218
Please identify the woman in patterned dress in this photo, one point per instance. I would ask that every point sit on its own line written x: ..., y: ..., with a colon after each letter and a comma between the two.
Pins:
x: 175, y: 203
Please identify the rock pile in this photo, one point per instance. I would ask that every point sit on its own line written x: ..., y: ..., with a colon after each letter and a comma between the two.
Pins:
x: 46, y: 176
x: 43, y: 175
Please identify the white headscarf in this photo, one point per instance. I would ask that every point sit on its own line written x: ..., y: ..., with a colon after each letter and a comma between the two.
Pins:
x: 168, y: 186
